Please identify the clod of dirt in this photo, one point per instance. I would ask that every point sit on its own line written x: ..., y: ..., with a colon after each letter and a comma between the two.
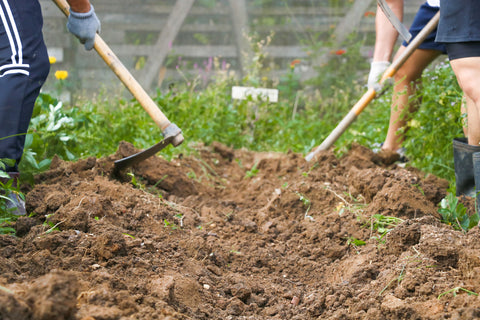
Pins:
x: 403, y: 237
x: 53, y: 296
x: 12, y: 308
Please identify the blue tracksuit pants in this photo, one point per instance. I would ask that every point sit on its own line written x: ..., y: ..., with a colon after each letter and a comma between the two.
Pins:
x: 24, y: 66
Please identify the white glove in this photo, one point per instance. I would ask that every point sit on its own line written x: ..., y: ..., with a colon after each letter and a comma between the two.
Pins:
x: 377, y: 69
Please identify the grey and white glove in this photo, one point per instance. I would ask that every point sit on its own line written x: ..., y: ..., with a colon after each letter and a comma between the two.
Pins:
x: 377, y: 69
x: 84, y: 26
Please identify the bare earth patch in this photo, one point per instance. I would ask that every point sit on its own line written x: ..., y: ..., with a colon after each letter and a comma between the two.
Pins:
x: 234, y: 234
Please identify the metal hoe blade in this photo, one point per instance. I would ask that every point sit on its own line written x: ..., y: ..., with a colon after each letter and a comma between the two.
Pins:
x: 137, y: 157
x: 396, y: 23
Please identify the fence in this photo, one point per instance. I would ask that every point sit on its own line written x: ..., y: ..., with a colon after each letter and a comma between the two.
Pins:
x: 156, y: 38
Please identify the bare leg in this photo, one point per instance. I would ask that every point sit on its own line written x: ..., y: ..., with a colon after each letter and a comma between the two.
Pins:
x: 467, y: 71
x: 406, y: 81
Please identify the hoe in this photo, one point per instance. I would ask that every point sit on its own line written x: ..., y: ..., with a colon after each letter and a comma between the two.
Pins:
x: 370, y: 94
x: 171, y: 133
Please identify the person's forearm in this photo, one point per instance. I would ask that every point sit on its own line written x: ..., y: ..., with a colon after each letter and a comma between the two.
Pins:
x: 80, y: 6
x: 386, y: 35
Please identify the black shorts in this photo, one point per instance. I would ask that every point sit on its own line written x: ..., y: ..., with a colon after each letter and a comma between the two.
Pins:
x: 458, y: 50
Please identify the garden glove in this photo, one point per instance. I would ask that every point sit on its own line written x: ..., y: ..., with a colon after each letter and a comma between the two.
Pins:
x: 377, y: 69
x: 84, y: 26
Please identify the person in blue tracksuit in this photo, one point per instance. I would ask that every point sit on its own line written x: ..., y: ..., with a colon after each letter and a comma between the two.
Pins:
x: 24, y: 66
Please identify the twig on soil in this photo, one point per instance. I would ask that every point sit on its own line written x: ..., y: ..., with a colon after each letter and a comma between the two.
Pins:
x: 265, y: 209
x: 6, y: 290
x: 80, y: 203
x: 415, y: 249
x: 337, y: 195
x: 307, y: 215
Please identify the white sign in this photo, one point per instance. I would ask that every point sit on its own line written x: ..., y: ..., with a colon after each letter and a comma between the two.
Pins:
x: 243, y: 93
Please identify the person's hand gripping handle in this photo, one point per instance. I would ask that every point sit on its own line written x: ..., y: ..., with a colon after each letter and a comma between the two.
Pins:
x: 84, y: 26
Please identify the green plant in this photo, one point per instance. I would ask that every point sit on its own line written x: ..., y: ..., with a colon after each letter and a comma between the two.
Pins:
x: 7, y: 187
x: 170, y: 225
x: 128, y: 235
x: 51, y: 226
x: 235, y: 252
x: 228, y: 216
x: 252, y: 172
x: 135, y: 182
x: 355, y: 243
x: 455, y: 291
x: 314, y: 166
x: 383, y: 225
x: 306, y: 203
x: 5, y: 222
x: 455, y: 214
x: 180, y: 218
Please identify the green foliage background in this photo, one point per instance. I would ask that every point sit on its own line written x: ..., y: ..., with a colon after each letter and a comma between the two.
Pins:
x: 207, y: 114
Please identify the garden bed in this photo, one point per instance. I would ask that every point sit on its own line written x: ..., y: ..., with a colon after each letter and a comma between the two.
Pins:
x: 235, y: 234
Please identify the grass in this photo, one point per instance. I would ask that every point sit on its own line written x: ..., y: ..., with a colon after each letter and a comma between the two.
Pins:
x: 455, y: 291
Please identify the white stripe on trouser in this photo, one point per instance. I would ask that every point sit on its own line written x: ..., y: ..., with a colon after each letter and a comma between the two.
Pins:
x: 14, y: 40
x: 15, y: 71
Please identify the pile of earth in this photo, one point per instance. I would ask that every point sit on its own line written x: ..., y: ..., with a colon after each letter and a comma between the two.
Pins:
x: 235, y: 234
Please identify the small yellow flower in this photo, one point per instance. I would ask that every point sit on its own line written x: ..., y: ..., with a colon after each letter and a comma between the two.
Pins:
x: 52, y: 59
x: 61, y: 74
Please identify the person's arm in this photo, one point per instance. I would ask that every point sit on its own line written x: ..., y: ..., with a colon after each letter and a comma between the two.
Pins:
x: 385, y: 38
x: 80, y: 6
x: 385, y: 33
x: 83, y: 22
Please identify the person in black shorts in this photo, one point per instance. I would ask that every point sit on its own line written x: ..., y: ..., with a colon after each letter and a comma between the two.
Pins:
x: 24, y: 66
x: 409, y: 74
x: 459, y: 30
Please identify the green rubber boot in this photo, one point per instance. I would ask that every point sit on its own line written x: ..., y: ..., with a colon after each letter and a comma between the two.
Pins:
x: 463, y: 162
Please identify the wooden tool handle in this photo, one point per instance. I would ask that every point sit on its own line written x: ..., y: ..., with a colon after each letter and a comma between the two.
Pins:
x: 124, y: 75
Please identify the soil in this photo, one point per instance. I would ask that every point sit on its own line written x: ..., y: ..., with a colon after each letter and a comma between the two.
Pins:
x: 235, y: 234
